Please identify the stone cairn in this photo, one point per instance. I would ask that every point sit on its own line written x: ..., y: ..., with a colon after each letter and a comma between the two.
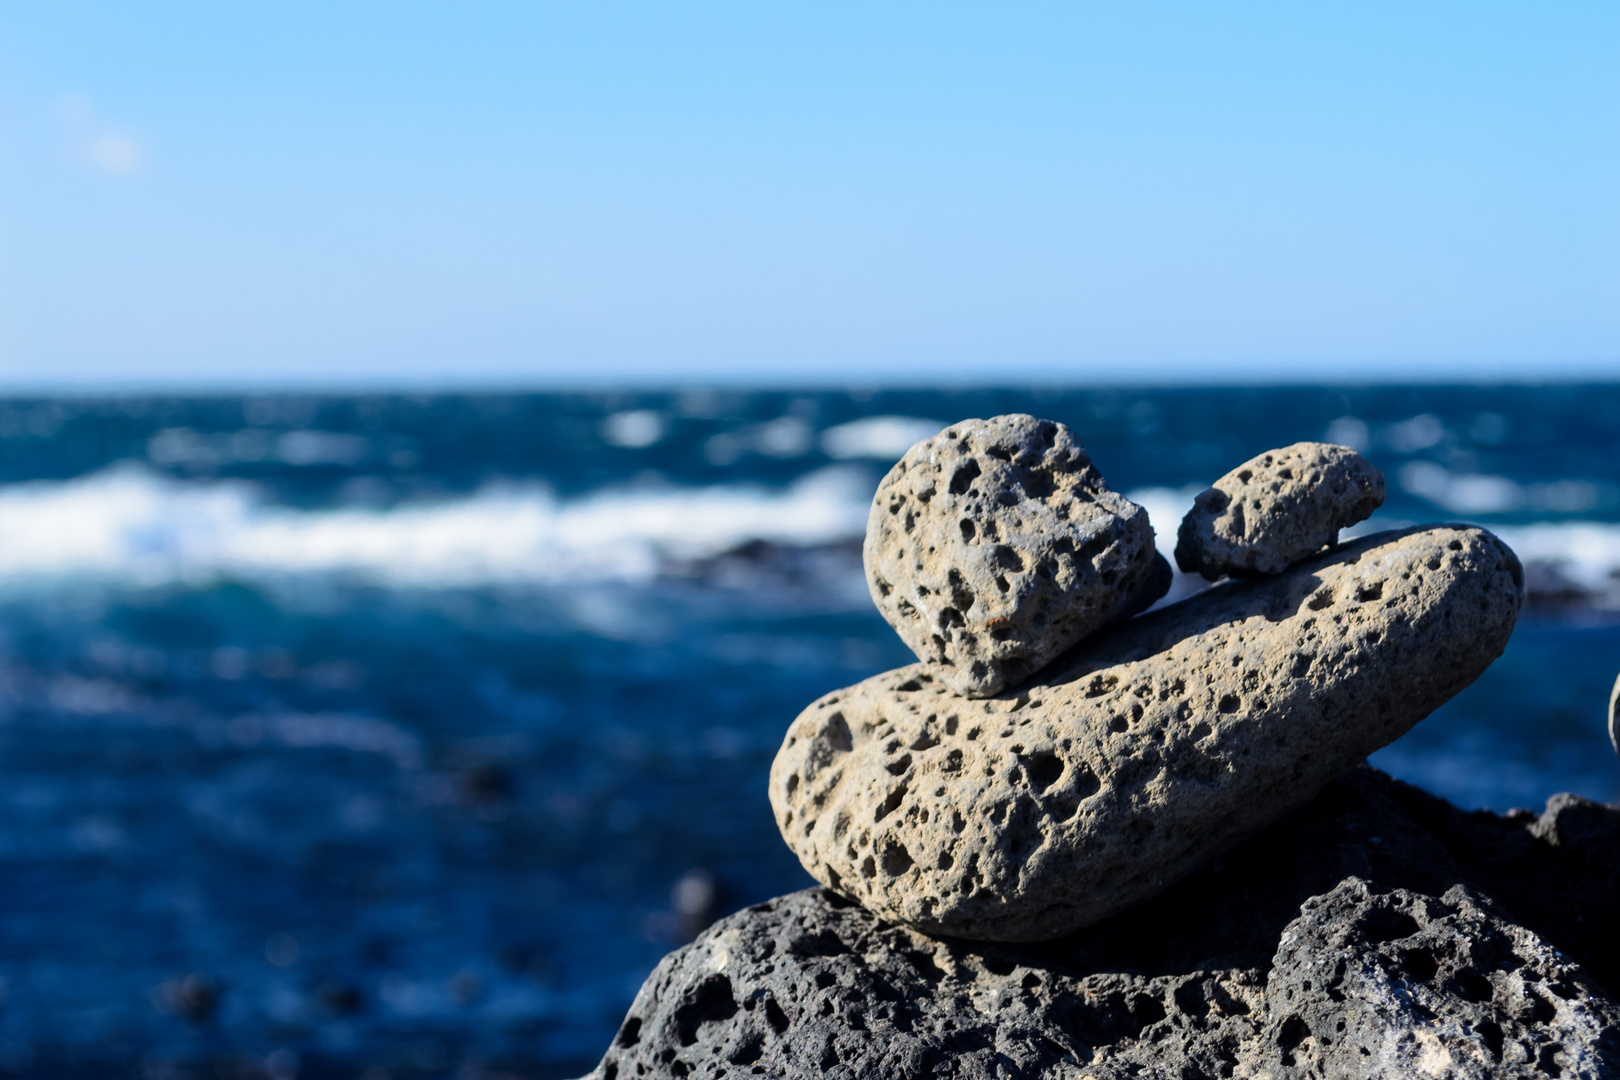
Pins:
x: 1075, y: 840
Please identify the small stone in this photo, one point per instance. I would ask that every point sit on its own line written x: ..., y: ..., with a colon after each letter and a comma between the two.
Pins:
x: 1144, y: 753
x: 1276, y: 509
x: 996, y: 544
x: 1614, y: 716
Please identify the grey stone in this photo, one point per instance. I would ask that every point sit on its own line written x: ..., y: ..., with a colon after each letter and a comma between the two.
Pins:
x: 810, y: 985
x: 1276, y: 509
x: 996, y: 544
x: 1371, y: 920
x: 1142, y: 754
x: 1614, y: 716
x: 1439, y: 986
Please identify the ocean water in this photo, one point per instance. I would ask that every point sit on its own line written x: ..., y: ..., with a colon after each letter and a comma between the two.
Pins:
x: 400, y: 736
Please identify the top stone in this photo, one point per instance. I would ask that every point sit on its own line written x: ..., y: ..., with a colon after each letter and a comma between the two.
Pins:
x: 996, y: 544
x: 1277, y: 509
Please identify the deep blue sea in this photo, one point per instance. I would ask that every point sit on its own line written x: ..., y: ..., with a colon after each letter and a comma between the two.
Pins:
x: 400, y: 736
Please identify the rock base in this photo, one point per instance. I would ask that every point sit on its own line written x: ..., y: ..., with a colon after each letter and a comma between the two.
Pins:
x: 1378, y: 932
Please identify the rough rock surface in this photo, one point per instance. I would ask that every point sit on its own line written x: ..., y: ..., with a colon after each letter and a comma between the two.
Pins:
x: 1379, y: 932
x: 996, y: 544
x: 1142, y: 754
x: 1276, y: 509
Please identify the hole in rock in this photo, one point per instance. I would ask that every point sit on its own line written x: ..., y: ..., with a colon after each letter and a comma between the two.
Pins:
x: 1471, y: 986
x: 835, y: 733
x: 1293, y: 1033
x: 1037, y: 484
x: 924, y: 963
x: 896, y: 861
x: 1383, y: 924
x: 1044, y: 770
x: 890, y: 804
x: 1490, y: 1033
x: 711, y: 1001
x: 1419, y: 963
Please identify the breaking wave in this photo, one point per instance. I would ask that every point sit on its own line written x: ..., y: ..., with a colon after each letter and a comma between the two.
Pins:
x: 130, y: 525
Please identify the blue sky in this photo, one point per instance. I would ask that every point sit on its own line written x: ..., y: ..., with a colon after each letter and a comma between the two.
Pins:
x: 527, y: 194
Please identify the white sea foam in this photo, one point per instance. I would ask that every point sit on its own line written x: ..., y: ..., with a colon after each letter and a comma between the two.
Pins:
x: 1481, y: 493
x: 1166, y: 507
x: 1585, y: 555
x: 884, y: 438
x: 1581, y: 558
x: 130, y: 525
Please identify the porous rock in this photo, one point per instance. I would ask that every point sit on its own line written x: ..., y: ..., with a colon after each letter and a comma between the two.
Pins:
x: 996, y: 544
x: 1440, y: 986
x: 1142, y: 754
x: 1366, y: 936
x: 1276, y: 509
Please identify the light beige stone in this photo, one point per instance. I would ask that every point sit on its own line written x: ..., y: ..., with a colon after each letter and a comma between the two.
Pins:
x: 996, y: 544
x: 1143, y: 754
x: 1276, y: 509
x: 1614, y: 716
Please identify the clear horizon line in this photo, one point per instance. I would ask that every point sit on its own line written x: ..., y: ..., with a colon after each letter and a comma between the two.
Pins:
x: 1591, y: 372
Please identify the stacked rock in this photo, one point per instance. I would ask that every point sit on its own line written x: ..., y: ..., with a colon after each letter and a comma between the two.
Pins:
x: 1145, y: 752
x: 1053, y: 762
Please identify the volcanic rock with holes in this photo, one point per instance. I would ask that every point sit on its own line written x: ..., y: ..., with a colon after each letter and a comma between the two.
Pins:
x: 1143, y: 753
x: 1378, y: 932
x: 996, y: 544
x: 1276, y: 509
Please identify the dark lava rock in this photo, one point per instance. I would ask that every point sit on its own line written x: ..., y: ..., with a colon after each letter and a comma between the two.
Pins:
x: 1378, y: 932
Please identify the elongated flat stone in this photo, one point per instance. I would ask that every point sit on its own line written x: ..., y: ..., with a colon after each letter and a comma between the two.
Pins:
x: 1143, y: 753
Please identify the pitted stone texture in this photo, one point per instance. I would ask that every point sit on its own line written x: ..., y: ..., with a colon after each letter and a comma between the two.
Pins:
x: 1276, y: 509
x: 809, y: 985
x: 1401, y: 984
x: 996, y: 544
x: 1143, y: 754
x: 1359, y: 922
